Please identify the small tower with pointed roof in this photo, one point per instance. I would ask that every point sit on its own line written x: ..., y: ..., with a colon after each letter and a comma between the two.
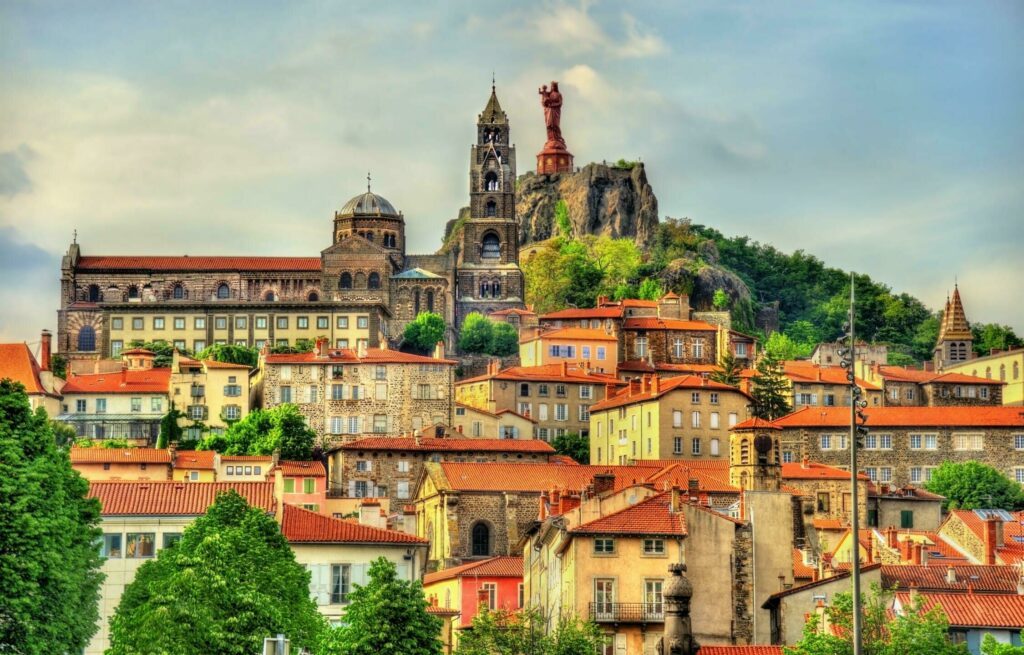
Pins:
x: 955, y: 342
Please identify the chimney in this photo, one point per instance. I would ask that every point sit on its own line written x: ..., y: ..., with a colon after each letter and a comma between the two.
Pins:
x: 644, y: 383
x: 124, y: 376
x: 890, y: 538
x: 360, y: 349
x: 604, y: 482
x: 565, y: 368
x: 369, y: 513
x: 321, y: 347
x: 993, y: 528
x: 602, y: 301
x: 655, y: 384
x: 542, y: 510
x: 44, y: 350
x: 439, y: 350
x: 806, y: 463
x: 915, y: 554
x: 675, y: 502
x: 693, y: 488
x: 458, y: 428
x: 950, y: 575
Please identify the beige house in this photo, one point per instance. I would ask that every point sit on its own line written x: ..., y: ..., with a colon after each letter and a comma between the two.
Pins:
x: 112, y: 464
x: 243, y: 468
x: 596, y: 349
x: 210, y: 393
x: 19, y: 364
x: 479, y: 423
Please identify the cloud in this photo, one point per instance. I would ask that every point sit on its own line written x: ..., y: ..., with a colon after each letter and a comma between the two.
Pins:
x: 13, y: 177
x: 639, y: 42
x: 573, y: 30
x: 30, y: 288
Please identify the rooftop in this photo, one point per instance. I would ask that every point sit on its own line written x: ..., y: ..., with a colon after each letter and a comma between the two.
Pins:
x: 654, y: 323
x: 652, y: 516
x: 572, y: 334
x: 499, y: 476
x: 546, y: 373
x: 503, y: 566
x: 449, y: 444
x: 350, y: 356
x: 199, y: 263
x: 977, y: 416
x: 174, y: 498
x: 119, y: 455
x: 194, y: 459
x: 291, y: 468
x: 18, y: 364
x: 302, y: 526
x: 973, y: 610
x: 978, y: 579
x: 368, y: 203
x: 658, y: 388
x: 1011, y: 551
x: 154, y: 380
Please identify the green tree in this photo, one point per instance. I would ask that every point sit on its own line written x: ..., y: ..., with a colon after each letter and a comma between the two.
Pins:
x: 524, y: 633
x: 163, y: 351
x: 618, y: 259
x: 49, y: 564
x: 170, y: 431
x: 231, y: 581
x: 476, y: 334
x: 231, y: 354
x: 989, y: 646
x: 387, y: 616
x: 650, y: 289
x: 973, y: 485
x: 63, y: 434
x: 504, y: 340
x: 729, y: 372
x: 563, y: 225
x: 262, y: 431
x: 782, y: 347
x: 720, y: 300
x: 425, y: 331
x: 770, y: 388
x: 574, y: 445
x: 989, y: 336
x: 301, y: 346
x: 59, y: 365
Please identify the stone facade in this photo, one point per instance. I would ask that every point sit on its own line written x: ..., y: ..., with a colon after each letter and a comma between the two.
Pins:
x: 668, y: 345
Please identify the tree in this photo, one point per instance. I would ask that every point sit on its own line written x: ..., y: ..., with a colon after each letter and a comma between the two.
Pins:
x: 783, y: 348
x: 650, y: 289
x: 563, y: 225
x: 989, y: 336
x: 282, y: 428
x: 170, y: 431
x: 59, y: 365
x: 63, y: 434
x: 618, y: 259
x: 989, y: 646
x: 720, y: 300
x: 913, y: 631
x: 425, y: 331
x: 574, y: 445
x: 475, y: 336
x: 387, y: 616
x: 231, y: 581
x: 163, y: 351
x: 730, y: 371
x: 770, y: 388
x: 524, y: 633
x: 49, y: 564
x: 301, y: 346
x: 504, y: 340
x: 231, y: 354
x: 973, y: 485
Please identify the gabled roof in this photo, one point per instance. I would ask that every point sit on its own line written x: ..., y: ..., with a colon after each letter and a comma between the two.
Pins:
x: 1011, y: 551
x: 755, y: 424
x: 643, y: 366
x: 665, y: 385
x: 801, y: 571
x: 973, y: 610
x: 154, y: 380
x: 680, y: 475
x: 816, y: 471
x: 513, y: 311
x: 119, y: 455
x: 573, y: 314
x: 654, y: 323
x: 801, y: 372
x: 795, y: 589
x: 648, y: 517
x: 350, y: 356
x: 290, y: 468
x: 572, y: 334
x: 905, y: 374
x: 18, y: 364
x: 259, y: 459
x: 415, y: 274
x: 837, y: 417
x: 954, y: 320
x: 546, y: 373
x: 500, y: 476
x: 302, y: 526
x: 194, y: 459
x: 174, y: 498
x: 976, y: 578
x: 200, y: 263
x: 449, y: 444
x: 503, y: 566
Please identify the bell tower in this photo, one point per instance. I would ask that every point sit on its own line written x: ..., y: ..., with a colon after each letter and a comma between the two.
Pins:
x: 755, y: 462
x: 955, y: 342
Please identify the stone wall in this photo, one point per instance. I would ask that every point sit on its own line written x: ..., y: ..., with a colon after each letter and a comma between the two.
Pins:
x: 660, y: 345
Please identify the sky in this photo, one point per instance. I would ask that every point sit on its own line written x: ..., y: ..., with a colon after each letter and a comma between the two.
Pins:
x: 883, y: 137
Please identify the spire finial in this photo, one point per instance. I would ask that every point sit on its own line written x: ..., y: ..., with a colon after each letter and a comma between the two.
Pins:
x: 492, y: 81
x: 74, y: 236
x: 368, y: 181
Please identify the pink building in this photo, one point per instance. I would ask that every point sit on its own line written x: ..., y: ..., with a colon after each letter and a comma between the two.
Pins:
x: 305, y: 483
x: 495, y: 583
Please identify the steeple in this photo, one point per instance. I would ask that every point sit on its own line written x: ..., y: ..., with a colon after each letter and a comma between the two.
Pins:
x: 493, y: 114
x: 954, y: 320
x: 955, y: 341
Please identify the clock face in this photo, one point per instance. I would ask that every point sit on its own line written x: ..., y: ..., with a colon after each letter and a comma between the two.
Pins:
x: 763, y: 444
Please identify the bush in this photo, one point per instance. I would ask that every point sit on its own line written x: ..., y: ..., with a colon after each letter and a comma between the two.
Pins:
x: 476, y: 334
x: 424, y: 332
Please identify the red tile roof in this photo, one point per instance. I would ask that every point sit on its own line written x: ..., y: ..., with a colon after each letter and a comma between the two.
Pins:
x: 594, y: 312
x: 904, y: 374
x: 246, y: 458
x: 979, y: 416
x: 572, y: 334
x: 154, y: 380
x: 654, y: 323
x: 174, y: 498
x: 302, y: 526
x: 648, y: 517
x: 119, y: 455
x: 450, y: 444
x: 801, y: 571
x: 816, y: 471
x: 665, y: 385
x: 212, y: 363
x: 755, y: 424
x: 546, y: 373
x: 18, y: 364
x: 680, y: 475
x: 643, y: 366
x: 442, y: 611
x: 802, y: 372
x: 499, y: 476
x: 828, y: 524
x: 974, y: 610
x: 513, y: 311
x: 350, y: 356
x: 200, y: 263
x: 194, y: 459
x: 291, y: 468
x: 979, y: 579
x: 503, y: 566
x: 741, y: 650
x: 1011, y: 551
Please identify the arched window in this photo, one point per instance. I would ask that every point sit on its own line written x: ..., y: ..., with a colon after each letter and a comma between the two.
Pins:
x: 491, y: 181
x: 491, y: 246
x: 430, y: 301
x: 270, y: 296
x: 496, y: 289
x: 360, y: 281
x: 86, y: 339
x: 369, y: 236
x: 345, y: 282
x: 178, y: 292
x: 481, y: 540
x: 1016, y: 371
x: 1002, y: 372
x: 223, y: 291
x: 133, y: 292
x: 416, y: 302
x: 491, y: 208
x: 485, y: 289
x: 94, y: 293
x: 988, y: 372
x: 745, y: 451
x: 374, y: 281
x: 313, y: 296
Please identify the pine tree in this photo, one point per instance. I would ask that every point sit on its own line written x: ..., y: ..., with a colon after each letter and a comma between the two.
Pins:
x: 730, y: 373
x: 49, y: 562
x: 387, y: 616
x: 770, y: 389
x: 231, y: 581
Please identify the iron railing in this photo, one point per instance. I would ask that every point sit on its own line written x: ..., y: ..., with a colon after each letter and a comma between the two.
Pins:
x: 627, y: 612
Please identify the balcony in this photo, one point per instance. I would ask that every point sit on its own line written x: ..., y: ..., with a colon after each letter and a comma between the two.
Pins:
x: 627, y: 612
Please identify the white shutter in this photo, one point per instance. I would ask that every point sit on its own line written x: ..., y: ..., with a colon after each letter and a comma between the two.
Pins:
x: 359, y: 574
x: 314, y: 373
x: 814, y: 399
x: 403, y: 571
x: 351, y: 488
x: 369, y: 465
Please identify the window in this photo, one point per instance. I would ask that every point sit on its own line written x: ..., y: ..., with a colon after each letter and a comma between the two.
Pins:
x: 380, y: 391
x: 604, y: 597
x: 677, y: 445
x: 714, y: 420
x: 362, y: 322
x: 345, y: 281
x: 140, y: 545
x: 698, y: 348
x: 138, y: 324
x: 872, y: 473
x: 915, y: 474
x: 86, y: 338
x: 652, y: 598
x: 560, y: 390
x: 968, y: 441
x: 524, y: 389
x: 223, y: 291
x: 116, y: 346
x: 343, y: 322
x: 481, y: 538
x: 885, y: 442
x: 158, y: 323
x: 156, y: 404
x: 604, y: 546
x: 302, y: 322
x: 695, y: 446
x: 179, y: 323
x: 171, y: 538
x: 136, y: 404
x: 825, y: 442
x: 641, y: 347
x: 1018, y: 475
x: 695, y: 419
x: 232, y: 412
x: 380, y: 422
x: 402, y: 488
x: 489, y: 590
x: 677, y: 418
x: 823, y: 502
x: 983, y: 392
x: 286, y: 394
x: 601, y: 352
x: 289, y: 485
x: 117, y: 324
x: 733, y: 418
x: 111, y: 547
x: 308, y: 485
x: 242, y: 322
x: 906, y: 518
x: 1018, y: 441
x: 101, y: 405
x: 373, y: 282
x: 323, y: 322
x: 341, y: 579
x: 584, y: 413
x: 178, y: 292
x: 363, y: 465
x: 677, y: 348
x: 282, y: 322
x: 885, y: 474
x: 491, y: 244
x: 714, y: 448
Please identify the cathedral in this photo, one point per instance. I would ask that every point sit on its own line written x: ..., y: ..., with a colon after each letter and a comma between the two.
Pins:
x: 360, y: 292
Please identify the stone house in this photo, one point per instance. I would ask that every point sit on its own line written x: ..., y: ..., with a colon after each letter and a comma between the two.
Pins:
x: 477, y: 423
x: 912, y: 387
x: 904, y: 444
x: 1002, y: 365
x: 385, y: 467
x: 345, y: 393
x: 826, y: 489
x: 904, y: 507
x: 671, y: 340
x: 811, y: 385
x: 986, y: 536
x: 490, y: 584
x: 557, y: 396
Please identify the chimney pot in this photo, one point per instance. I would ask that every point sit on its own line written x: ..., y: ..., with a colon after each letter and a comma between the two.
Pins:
x: 44, y: 350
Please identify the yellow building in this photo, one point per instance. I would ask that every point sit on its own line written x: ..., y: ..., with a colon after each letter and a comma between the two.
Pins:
x: 596, y: 349
x: 481, y: 424
x: 209, y: 393
x: 195, y: 465
x: 109, y: 464
x: 1003, y: 365
x: 666, y: 418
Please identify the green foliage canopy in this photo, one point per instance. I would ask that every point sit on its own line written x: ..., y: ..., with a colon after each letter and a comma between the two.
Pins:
x: 524, y: 633
x: 973, y: 485
x: 164, y: 351
x: 504, y: 340
x: 425, y: 331
x: 170, y: 431
x: 231, y: 354
x: 49, y: 564
x: 574, y: 445
x: 770, y: 389
x: 262, y: 431
x: 475, y: 335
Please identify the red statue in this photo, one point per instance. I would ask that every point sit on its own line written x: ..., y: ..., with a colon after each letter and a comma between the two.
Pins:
x: 552, y: 103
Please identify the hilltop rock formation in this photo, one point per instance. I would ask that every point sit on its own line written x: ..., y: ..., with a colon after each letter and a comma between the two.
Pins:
x: 602, y: 200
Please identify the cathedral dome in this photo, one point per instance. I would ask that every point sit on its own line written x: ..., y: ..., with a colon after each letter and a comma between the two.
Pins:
x: 369, y: 204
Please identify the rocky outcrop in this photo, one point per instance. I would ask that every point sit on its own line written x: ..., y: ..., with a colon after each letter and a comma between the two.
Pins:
x: 602, y: 200
x: 700, y: 280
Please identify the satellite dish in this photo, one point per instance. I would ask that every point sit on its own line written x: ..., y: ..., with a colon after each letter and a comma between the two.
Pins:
x: 763, y: 444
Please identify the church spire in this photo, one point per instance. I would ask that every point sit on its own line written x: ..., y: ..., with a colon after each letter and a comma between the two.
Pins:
x: 493, y: 113
x: 955, y: 339
x: 954, y: 321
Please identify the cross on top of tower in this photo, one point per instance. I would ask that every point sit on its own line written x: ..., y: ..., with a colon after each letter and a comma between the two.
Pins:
x: 367, y: 181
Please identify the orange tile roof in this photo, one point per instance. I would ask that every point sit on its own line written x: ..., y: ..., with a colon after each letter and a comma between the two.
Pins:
x: 18, y: 364
x: 815, y: 471
x: 755, y: 424
x: 503, y: 566
x: 960, y: 378
x: 513, y: 311
x: 643, y: 366
x: 904, y: 374
x: 741, y: 650
x: 573, y: 334
x: 174, y: 498
x: 291, y: 468
x: 194, y: 459
x: 449, y: 444
x: 828, y: 524
x: 212, y: 363
x: 119, y: 455
x: 350, y: 356
x: 648, y: 517
x: 194, y: 263
x: 699, y: 464
x: 154, y: 380
x: 546, y: 373
x: 302, y: 526
x: 680, y: 475
x: 973, y: 610
x: 1010, y: 551
x: 665, y: 385
x: 654, y: 323
x: 801, y: 571
x: 593, y: 312
x: 635, y: 302
x: 808, y: 373
x: 940, y: 552
x: 246, y: 458
x: 499, y: 476
x: 979, y: 416
x: 979, y: 579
